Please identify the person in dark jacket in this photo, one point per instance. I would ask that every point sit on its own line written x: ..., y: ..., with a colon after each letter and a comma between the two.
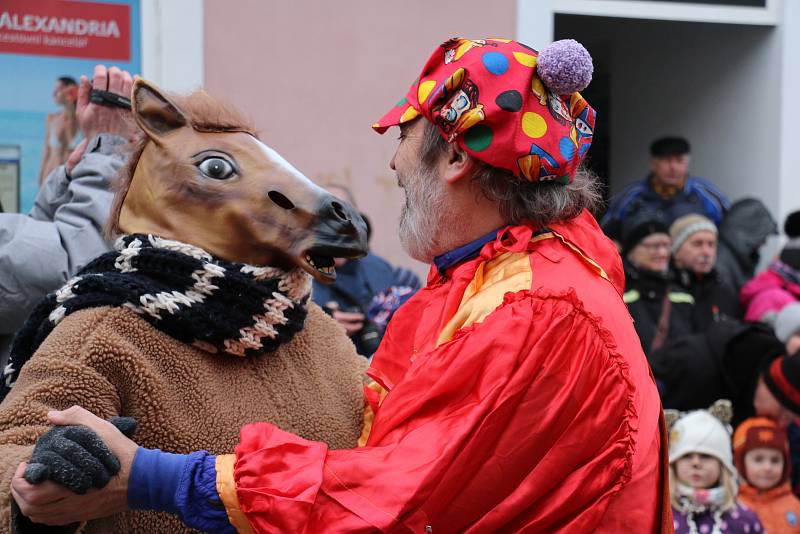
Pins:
x: 366, y: 293
x: 694, y: 253
x: 723, y: 362
x: 744, y: 229
x: 668, y: 190
x: 659, y: 309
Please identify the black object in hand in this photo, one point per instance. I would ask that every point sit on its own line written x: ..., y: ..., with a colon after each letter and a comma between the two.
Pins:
x: 107, y: 98
x: 75, y: 457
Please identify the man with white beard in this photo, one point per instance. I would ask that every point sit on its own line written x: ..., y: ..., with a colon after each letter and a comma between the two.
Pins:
x: 694, y: 254
x: 510, y: 394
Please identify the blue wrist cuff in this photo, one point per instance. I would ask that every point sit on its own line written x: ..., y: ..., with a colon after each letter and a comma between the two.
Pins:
x: 154, y: 480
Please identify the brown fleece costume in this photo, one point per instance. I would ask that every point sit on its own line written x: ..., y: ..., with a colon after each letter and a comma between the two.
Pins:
x: 112, y: 362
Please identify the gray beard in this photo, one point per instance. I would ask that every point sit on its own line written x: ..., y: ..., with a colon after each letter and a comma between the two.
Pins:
x: 422, y: 216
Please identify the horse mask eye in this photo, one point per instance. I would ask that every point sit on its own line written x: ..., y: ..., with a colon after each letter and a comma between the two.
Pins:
x: 216, y: 168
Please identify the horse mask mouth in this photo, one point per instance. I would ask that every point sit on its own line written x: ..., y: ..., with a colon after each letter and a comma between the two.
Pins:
x: 340, y: 234
x: 204, y: 178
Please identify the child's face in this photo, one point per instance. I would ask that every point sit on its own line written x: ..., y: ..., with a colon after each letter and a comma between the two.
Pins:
x: 698, y: 470
x: 764, y: 467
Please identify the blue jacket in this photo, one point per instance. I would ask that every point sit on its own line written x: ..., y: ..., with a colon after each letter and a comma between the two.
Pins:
x: 371, y: 284
x: 697, y: 196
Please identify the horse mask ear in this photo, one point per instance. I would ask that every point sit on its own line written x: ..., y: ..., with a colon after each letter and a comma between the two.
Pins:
x: 156, y: 114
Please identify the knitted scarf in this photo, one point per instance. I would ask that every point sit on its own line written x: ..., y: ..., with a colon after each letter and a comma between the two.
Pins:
x: 214, y: 305
x: 695, y: 502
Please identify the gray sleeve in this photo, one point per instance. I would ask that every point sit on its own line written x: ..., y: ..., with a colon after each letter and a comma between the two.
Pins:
x: 63, y: 232
x: 51, y: 195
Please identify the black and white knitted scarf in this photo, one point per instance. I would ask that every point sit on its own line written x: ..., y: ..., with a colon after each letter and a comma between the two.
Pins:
x: 180, y: 289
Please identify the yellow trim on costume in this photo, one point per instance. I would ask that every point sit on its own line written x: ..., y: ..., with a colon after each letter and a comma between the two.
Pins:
x: 585, y: 258
x: 369, y: 414
x: 508, y: 272
x: 226, y: 488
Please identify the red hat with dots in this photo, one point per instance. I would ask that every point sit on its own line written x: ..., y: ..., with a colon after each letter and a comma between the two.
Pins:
x: 506, y: 104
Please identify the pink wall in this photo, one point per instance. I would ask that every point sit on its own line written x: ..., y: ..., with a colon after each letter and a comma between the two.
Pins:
x: 315, y: 75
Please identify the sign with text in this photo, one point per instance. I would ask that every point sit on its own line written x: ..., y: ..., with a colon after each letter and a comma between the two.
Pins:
x: 62, y: 28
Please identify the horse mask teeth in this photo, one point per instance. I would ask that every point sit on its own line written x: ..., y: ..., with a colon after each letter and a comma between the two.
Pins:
x: 321, y: 263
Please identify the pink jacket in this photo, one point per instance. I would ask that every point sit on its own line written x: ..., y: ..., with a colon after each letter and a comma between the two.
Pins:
x: 766, y: 294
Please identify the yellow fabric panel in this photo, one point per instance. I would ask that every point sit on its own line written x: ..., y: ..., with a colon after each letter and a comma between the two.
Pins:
x: 508, y: 272
x: 226, y: 488
x: 369, y: 414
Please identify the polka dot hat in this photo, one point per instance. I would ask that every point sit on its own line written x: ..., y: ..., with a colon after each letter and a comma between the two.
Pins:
x: 506, y: 104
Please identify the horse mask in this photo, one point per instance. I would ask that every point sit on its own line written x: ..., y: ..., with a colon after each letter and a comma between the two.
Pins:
x: 204, y: 178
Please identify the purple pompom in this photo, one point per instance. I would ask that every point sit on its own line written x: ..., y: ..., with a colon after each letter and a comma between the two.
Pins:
x: 565, y: 66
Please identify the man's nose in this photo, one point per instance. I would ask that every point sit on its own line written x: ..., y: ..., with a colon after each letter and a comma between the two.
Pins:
x: 391, y: 163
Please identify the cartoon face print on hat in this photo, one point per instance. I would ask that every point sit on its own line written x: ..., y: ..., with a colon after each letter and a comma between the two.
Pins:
x: 454, y: 49
x: 538, y: 165
x: 460, y: 112
x: 558, y: 109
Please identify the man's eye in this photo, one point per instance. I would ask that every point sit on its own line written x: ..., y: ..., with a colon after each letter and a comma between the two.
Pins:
x: 216, y: 168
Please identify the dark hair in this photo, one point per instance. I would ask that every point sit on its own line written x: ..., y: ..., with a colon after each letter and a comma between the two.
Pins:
x: 67, y: 80
x: 541, y: 203
x: 669, y: 146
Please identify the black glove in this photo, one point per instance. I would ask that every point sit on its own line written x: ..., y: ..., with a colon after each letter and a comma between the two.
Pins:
x: 76, y: 457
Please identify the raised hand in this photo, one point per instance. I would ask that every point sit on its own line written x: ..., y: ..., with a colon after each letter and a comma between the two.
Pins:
x: 94, y: 118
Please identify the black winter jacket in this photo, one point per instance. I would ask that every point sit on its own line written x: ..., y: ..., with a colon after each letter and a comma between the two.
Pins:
x: 644, y: 296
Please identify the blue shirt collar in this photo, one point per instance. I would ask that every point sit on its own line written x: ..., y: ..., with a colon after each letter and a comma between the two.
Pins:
x: 463, y: 253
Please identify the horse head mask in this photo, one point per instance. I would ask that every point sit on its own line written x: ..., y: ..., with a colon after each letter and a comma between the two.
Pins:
x: 202, y: 177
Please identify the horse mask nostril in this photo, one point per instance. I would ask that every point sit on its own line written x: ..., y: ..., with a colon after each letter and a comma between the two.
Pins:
x: 339, y: 211
x: 280, y: 200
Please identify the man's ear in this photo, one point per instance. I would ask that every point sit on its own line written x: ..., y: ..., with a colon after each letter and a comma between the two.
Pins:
x: 154, y: 112
x: 456, y: 163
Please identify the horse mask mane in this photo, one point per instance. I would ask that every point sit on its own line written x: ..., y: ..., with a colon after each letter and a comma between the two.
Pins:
x: 202, y: 177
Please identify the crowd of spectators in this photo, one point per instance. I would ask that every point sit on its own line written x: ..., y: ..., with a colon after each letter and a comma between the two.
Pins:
x: 712, y: 328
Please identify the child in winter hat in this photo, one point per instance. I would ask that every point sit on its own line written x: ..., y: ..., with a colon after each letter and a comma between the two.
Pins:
x: 761, y: 454
x: 703, y: 487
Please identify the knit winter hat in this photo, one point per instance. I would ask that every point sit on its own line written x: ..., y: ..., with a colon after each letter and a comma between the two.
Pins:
x: 787, y: 323
x: 684, y: 227
x: 791, y: 226
x: 701, y: 432
x: 506, y: 104
x: 760, y: 432
x: 782, y: 378
x: 638, y: 226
